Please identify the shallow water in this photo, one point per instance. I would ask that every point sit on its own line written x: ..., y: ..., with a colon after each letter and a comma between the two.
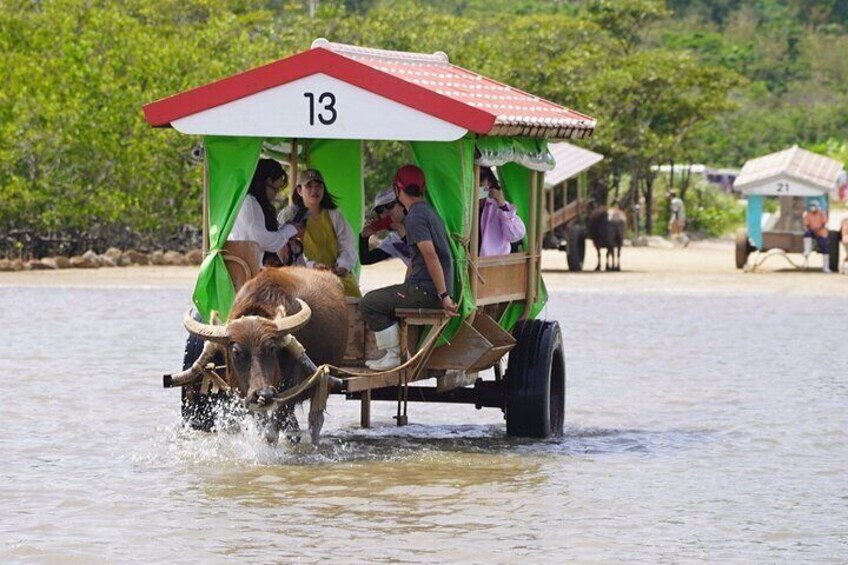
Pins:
x: 699, y: 429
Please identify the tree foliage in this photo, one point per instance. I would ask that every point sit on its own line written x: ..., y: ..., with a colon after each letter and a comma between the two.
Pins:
x: 715, y: 81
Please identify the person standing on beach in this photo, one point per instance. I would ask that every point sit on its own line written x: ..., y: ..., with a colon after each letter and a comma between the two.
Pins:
x: 677, y: 216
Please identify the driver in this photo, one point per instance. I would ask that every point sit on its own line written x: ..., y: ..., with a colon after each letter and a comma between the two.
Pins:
x: 430, y: 279
x: 815, y: 223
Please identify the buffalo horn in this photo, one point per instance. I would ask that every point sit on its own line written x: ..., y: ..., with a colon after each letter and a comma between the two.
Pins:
x: 289, y: 324
x: 218, y: 334
x: 195, y: 371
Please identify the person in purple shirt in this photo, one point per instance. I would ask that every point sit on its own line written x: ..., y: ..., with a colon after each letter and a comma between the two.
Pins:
x: 499, y: 224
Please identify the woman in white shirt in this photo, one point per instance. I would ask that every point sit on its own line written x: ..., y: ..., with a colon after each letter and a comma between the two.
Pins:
x: 257, y: 218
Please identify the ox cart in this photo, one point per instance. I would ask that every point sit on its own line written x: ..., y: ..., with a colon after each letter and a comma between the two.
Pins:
x: 568, y: 202
x: 318, y: 109
x: 795, y: 178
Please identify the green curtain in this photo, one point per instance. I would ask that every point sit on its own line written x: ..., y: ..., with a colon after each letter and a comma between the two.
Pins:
x: 230, y: 163
x: 449, y: 170
x: 340, y: 163
x: 516, y: 184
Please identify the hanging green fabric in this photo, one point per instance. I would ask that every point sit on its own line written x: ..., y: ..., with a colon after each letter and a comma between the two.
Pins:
x: 449, y: 171
x: 516, y: 184
x: 230, y: 163
x: 340, y: 163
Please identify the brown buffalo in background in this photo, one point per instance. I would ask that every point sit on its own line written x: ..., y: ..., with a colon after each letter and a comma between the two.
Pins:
x: 306, y: 303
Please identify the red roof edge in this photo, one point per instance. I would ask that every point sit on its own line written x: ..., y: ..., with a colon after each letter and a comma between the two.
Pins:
x: 318, y: 60
x: 163, y: 112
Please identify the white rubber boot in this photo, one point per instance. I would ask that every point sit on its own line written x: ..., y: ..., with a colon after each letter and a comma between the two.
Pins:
x: 826, y: 265
x: 808, y: 246
x: 389, y: 340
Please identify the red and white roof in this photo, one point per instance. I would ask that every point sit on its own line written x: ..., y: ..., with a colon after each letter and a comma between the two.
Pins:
x: 346, y: 92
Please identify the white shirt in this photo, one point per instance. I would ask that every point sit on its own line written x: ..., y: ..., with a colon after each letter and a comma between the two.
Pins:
x: 250, y: 226
x: 678, y: 212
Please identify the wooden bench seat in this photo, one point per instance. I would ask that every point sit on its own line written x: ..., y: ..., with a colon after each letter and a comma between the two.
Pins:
x: 420, y: 316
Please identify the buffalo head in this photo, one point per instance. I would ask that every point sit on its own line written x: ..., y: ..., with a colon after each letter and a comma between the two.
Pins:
x: 253, y: 346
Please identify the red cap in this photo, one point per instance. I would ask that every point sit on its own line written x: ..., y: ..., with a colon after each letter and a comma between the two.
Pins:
x: 407, y: 175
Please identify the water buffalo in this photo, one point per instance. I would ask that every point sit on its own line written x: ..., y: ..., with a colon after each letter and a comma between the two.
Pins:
x: 606, y: 228
x: 304, y: 303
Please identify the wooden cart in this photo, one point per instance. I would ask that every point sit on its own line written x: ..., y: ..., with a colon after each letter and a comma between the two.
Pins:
x: 794, y: 177
x: 567, y: 201
x: 317, y: 109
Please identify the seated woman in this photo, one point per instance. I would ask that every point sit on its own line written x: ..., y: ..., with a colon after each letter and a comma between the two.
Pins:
x: 328, y: 240
x: 388, y: 218
x: 499, y: 224
x: 257, y: 220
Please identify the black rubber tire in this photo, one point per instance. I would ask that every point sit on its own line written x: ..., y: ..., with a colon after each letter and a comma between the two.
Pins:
x: 576, y: 248
x: 833, y: 245
x: 743, y: 248
x: 197, y: 409
x: 535, y: 381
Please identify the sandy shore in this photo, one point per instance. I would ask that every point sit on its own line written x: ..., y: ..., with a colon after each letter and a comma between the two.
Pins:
x: 703, y: 267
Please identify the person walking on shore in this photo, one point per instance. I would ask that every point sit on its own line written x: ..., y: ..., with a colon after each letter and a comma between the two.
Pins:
x: 677, y: 219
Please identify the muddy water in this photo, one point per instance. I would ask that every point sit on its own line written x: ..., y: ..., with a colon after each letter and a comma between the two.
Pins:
x: 699, y: 429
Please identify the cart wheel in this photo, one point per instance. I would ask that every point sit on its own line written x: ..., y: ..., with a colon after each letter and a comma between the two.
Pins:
x: 535, y: 381
x: 197, y: 409
x: 833, y: 240
x: 743, y: 248
x: 576, y: 248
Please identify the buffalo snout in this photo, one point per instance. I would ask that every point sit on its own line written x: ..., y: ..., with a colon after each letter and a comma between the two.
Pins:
x: 261, y: 398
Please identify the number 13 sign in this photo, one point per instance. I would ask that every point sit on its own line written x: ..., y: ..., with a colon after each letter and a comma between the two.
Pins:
x: 326, y: 111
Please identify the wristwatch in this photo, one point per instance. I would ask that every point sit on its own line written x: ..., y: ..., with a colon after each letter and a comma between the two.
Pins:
x: 444, y: 295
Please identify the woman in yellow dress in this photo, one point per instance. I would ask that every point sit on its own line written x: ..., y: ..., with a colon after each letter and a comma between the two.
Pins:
x: 328, y: 240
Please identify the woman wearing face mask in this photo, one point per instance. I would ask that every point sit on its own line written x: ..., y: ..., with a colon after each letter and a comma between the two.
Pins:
x: 387, y: 217
x: 499, y: 224
x: 257, y: 218
x: 328, y: 240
